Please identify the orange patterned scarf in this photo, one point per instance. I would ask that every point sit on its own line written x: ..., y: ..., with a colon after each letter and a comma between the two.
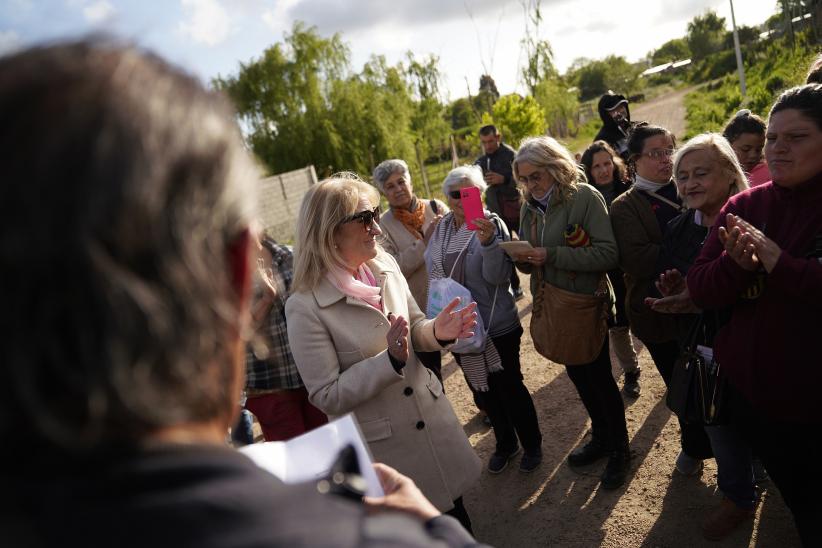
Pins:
x: 413, y: 219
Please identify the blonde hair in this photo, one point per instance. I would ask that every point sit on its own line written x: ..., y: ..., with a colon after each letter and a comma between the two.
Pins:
x: 547, y: 153
x: 722, y: 153
x: 324, y: 208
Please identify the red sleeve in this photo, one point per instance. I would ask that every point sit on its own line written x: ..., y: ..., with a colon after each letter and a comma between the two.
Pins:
x: 800, y: 278
x: 716, y: 280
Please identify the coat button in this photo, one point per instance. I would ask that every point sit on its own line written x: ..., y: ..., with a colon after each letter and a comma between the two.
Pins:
x: 420, y: 425
x: 408, y: 391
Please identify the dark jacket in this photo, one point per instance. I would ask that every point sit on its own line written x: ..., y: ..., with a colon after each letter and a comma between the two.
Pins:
x: 611, y: 132
x: 639, y: 238
x: 505, y: 200
x: 770, y: 347
x: 204, y: 496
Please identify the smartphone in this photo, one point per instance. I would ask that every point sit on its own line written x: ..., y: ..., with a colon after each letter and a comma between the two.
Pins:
x: 471, y: 205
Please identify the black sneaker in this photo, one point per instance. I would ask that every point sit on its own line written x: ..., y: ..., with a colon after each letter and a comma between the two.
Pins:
x: 499, y: 461
x: 631, y: 387
x: 619, y: 462
x: 588, y: 453
x: 530, y: 461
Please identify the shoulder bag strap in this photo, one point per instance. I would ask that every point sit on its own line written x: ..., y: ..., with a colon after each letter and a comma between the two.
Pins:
x: 678, y: 207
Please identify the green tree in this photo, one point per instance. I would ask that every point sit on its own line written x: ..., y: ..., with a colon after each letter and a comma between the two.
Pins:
x: 428, y: 122
x: 706, y: 33
x: 672, y: 50
x: 301, y: 104
x: 518, y: 117
x: 559, y: 105
x: 597, y: 77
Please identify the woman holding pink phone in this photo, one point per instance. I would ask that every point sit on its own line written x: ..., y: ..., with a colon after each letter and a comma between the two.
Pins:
x: 465, y: 246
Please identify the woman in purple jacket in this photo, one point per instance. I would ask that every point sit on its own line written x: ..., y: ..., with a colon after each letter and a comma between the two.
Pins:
x: 763, y: 258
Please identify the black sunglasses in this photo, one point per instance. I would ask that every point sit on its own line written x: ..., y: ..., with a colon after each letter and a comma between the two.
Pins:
x: 455, y: 194
x: 367, y: 217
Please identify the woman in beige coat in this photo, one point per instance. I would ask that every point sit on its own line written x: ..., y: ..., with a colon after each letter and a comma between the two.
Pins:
x: 353, y: 327
x: 406, y: 229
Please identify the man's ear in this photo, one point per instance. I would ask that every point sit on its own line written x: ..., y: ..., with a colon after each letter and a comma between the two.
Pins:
x: 240, y: 257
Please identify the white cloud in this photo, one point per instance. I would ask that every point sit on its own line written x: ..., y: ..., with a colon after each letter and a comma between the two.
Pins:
x: 98, y: 12
x: 9, y: 41
x: 207, y: 21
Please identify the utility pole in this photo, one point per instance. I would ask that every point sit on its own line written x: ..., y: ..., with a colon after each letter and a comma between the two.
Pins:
x: 739, y: 66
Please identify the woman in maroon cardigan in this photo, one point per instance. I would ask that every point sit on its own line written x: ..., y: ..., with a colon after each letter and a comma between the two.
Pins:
x: 763, y: 258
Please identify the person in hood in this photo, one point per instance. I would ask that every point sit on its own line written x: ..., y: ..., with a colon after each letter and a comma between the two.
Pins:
x: 616, y: 122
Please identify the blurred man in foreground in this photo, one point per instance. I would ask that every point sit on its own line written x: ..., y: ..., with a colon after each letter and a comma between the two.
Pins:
x: 126, y: 257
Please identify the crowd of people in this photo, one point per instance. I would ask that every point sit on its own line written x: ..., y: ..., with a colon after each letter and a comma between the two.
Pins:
x: 144, y: 300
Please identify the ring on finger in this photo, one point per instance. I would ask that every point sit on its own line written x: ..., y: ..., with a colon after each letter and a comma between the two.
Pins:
x: 399, y: 342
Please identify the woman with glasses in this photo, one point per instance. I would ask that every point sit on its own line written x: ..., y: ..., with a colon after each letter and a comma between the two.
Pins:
x: 475, y: 259
x: 353, y: 327
x: 607, y: 172
x: 557, y: 199
x: 640, y: 219
x: 406, y: 229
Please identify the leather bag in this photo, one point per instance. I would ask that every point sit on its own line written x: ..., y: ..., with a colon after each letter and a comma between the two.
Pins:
x: 696, y: 392
x: 567, y: 327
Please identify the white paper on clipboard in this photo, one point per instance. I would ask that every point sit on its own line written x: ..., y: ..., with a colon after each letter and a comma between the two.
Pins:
x: 310, y: 456
x: 516, y: 246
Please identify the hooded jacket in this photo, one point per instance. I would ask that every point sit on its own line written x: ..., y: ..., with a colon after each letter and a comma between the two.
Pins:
x: 611, y: 132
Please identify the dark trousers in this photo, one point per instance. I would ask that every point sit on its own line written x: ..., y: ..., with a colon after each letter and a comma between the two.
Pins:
x: 791, y: 454
x: 694, y: 441
x: 433, y: 361
x: 461, y: 514
x: 508, y: 402
x: 514, y: 279
x: 600, y: 396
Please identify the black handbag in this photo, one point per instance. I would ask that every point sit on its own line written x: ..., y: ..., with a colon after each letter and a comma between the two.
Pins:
x: 696, y: 392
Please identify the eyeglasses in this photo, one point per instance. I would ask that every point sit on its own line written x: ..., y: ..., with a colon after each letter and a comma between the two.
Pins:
x: 367, y: 218
x: 532, y: 178
x: 659, y: 154
x: 455, y: 194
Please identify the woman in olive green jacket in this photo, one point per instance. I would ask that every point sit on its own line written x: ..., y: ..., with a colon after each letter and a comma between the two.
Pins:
x: 558, y: 198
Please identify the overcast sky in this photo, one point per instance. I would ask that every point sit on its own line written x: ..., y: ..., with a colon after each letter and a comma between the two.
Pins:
x: 211, y: 37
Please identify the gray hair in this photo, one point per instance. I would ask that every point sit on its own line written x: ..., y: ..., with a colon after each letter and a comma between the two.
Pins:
x: 723, y: 153
x: 549, y: 154
x: 386, y: 169
x: 472, y: 174
x: 126, y: 186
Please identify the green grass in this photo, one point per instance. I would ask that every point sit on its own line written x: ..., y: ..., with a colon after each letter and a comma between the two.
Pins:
x: 769, y: 70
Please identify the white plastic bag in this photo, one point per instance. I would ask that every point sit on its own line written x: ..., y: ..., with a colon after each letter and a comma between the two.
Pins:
x: 442, y: 291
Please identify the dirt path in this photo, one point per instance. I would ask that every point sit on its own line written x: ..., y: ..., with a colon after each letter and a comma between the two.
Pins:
x: 666, y: 110
x: 555, y: 506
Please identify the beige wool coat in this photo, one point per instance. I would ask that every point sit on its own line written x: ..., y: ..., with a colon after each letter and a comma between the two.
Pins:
x: 339, y: 346
x: 409, y: 251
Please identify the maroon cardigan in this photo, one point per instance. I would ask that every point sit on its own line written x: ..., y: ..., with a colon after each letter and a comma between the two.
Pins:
x: 772, y: 347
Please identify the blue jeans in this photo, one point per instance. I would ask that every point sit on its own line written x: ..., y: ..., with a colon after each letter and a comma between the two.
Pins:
x: 243, y: 433
x: 733, y: 461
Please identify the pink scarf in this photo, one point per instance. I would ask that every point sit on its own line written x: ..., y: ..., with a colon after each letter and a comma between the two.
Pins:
x: 363, y: 287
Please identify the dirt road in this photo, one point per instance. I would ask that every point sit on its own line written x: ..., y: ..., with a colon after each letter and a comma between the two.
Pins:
x: 555, y: 506
x: 666, y: 110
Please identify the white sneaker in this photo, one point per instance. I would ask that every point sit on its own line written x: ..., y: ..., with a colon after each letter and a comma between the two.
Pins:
x: 687, y: 465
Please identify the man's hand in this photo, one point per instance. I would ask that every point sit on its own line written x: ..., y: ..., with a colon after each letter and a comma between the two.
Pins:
x: 493, y: 178
x: 401, y: 494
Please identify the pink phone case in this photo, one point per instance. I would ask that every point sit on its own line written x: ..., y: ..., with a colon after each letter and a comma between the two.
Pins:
x: 471, y: 205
